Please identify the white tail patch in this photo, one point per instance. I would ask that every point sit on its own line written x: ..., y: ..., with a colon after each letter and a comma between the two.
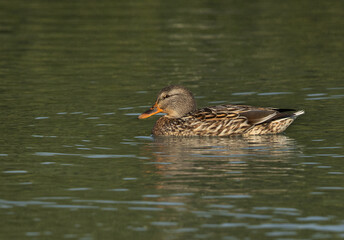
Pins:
x: 298, y: 113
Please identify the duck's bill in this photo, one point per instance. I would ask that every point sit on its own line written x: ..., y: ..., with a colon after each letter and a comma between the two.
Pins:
x: 150, y: 112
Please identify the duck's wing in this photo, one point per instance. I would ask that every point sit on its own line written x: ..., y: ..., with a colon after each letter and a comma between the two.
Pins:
x: 224, y: 120
x: 253, y: 115
x: 249, y: 114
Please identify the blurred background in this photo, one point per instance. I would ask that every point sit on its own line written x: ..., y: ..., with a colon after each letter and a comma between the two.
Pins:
x: 76, y: 163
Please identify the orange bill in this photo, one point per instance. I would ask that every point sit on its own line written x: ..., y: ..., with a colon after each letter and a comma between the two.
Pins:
x: 150, y: 112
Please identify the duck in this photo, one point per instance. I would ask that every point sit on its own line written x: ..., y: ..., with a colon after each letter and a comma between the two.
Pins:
x: 182, y: 118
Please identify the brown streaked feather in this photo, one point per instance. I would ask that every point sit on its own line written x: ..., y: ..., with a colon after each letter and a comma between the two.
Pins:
x: 225, y: 120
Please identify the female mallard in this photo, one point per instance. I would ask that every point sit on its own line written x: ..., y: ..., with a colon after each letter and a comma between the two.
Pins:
x: 182, y: 118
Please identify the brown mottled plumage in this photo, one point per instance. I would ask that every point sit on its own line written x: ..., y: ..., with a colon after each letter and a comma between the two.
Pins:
x: 183, y: 119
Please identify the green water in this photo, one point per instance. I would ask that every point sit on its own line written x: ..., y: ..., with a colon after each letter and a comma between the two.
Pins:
x: 76, y: 163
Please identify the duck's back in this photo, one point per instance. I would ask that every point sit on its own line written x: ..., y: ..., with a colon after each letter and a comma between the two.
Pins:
x: 226, y: 120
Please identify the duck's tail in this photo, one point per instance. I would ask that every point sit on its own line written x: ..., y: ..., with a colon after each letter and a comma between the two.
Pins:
x: 298, y: 113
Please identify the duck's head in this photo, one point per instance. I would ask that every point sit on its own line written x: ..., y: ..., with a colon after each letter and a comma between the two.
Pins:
x: 175, y: 101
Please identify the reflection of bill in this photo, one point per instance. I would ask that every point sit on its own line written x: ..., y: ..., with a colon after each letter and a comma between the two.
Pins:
x: 186, y: 160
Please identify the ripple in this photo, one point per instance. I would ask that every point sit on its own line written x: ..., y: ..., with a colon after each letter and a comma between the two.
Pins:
x: 297, y: 226
x: 238, y: 196
x: 130, y: 143
x: 237, y: 162
x: 15, y: 171
x: 335, y: 88
x: 132, y: 202
x: 109, y: 209
x: 181, y: 194
x: 159, y: 163
x: 234, y: 172
x: 39, y: 118
x: 216, y: 102
x: 69, y: 206
x: 25, y: 183
x: 145, y: 208
x: 243, y: 93
x: 309, y: 163
x: 325, y: 155
x: 334, y: 147
x: 183, y: 230
x: 224, y: 225
x: 145, y: 137
x: 330, y: 188
x: 92, y: 118
x: 164, y: 224
x: 24, y: 203
x: 52, y: 154
x: 314, y: 218
x: 316, y: 94
x: 221, y: 206
x: 222, y: 156
x: 138, y: 229
x: 78, y: 189
x: 280, y: 210
x: 280, y: 233
x: 202, y: 214
x: 129, y: 179
x: 119, y: 190
x: 53, y: 198
x: 41, y: 136
x: 240, y: 215
x: 151, y: 196
x: 317, y: 98
x: 273, y: 93
x: 337, y: 96
x: 70, y: 235
x: 324, y: 167
x: 132, y: 114
x: 32, y: 234
x: 102, y: 148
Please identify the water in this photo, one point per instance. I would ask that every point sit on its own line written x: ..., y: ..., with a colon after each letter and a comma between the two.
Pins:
x: 76, y: 163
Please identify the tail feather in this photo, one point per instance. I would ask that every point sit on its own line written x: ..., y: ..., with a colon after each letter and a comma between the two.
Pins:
x: 285, y: 113
x: 298, y: 113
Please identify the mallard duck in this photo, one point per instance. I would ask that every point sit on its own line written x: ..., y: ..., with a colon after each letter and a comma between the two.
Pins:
x: 183, y: 119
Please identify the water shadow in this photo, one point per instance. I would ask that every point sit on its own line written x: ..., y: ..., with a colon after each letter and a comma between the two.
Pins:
x: 175, y: 148
x: 182, y: 162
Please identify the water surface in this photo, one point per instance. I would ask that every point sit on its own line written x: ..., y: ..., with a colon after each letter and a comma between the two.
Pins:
x: 76, y: 163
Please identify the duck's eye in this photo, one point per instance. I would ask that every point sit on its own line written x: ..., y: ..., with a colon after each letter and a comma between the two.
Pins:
x: 166, y: 96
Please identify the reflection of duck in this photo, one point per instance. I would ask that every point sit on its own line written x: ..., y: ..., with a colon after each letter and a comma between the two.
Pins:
x: 183, y: 119
x: 238, y: 147
x: 203, y: 163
